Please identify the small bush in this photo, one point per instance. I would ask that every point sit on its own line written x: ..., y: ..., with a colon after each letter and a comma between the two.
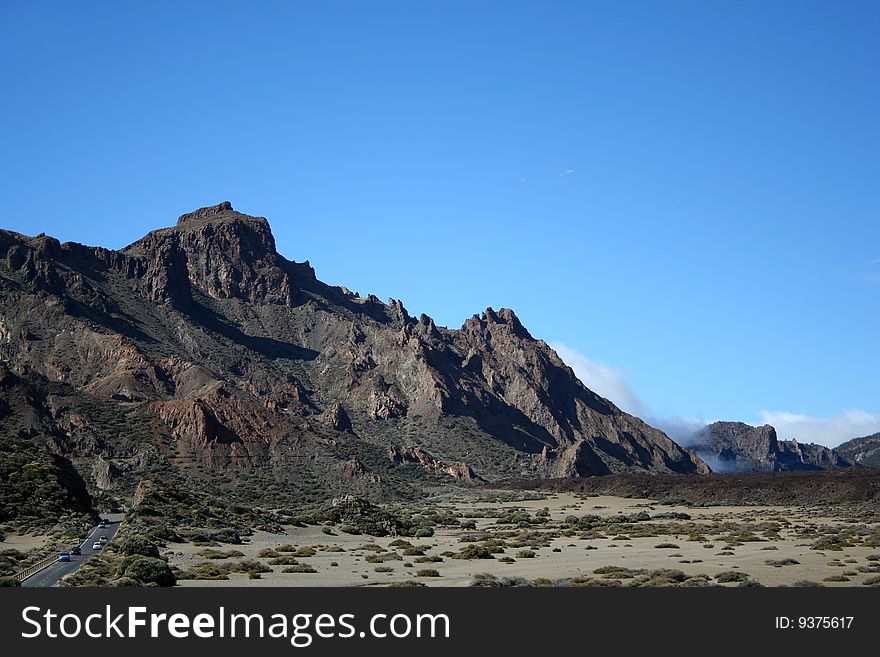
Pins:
x: 283, y: 561
x: 209, y: 553
x: 432, y: 558
x: 473, y: 552
x: 779, y: 563
x: 299, y: 568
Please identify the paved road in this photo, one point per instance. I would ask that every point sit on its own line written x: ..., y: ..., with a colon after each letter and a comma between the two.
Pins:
x: 50, y: 575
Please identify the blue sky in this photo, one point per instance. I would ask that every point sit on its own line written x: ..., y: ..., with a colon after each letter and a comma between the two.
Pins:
x: 683, y: 196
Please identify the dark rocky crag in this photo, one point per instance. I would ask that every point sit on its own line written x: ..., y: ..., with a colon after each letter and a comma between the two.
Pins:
x: 199, y: 351
x: 739, y: 447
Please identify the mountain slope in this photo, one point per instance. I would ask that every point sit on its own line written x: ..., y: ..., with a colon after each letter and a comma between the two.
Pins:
x: 199, y: 350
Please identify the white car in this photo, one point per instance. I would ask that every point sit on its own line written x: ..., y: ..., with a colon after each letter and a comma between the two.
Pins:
x: 97, y: 545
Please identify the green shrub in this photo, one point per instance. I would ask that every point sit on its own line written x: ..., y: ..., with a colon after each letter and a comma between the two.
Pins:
x: 473, y: 552
x: 123, y: 582
x: 150, y: 570
x: 140, y: 546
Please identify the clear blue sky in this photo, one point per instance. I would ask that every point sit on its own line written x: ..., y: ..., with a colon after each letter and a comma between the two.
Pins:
x: 688, y: 192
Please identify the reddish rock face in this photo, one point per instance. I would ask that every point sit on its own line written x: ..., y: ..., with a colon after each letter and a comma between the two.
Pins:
x: 199, y: 348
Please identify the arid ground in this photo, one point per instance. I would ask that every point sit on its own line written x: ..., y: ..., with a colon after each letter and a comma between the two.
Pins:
x: 566, y: 539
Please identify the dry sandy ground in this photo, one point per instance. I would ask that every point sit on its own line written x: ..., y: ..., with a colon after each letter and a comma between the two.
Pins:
x: 346, y: 564
x: 25, y: 542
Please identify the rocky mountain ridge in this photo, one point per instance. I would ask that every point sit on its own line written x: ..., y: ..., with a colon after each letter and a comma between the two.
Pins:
x: 200, y: 350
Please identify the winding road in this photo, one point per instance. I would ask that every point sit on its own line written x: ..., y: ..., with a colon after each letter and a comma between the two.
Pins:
x: 50, y: 575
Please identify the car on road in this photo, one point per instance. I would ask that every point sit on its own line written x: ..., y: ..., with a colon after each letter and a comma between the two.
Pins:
x: 102, y: 524
x: 97, y: 545
x: 64, y: 556
x: 103, y: 539
x: 76, y: 550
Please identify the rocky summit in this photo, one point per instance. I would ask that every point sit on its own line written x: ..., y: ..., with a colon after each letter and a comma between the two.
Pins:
x: 200, y: 352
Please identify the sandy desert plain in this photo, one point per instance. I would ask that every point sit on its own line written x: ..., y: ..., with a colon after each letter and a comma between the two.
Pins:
x: 564, y: 539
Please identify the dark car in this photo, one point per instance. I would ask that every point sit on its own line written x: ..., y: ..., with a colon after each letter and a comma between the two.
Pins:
x: 76, y: 550
x: 102, y: 524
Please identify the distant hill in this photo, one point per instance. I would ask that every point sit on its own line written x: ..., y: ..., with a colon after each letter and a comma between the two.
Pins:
x: 862, y: 451
x: 740, y: 447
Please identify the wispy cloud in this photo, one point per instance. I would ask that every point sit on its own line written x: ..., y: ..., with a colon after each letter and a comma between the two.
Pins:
x: 567, y: 172
x: 613, y: 384
x: 870, y: 270
x: 828, y: 431
x: 603, y: 379
x: 687, y: 432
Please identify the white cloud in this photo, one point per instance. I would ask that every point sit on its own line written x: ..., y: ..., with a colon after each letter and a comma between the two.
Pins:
x: 567, y: 172
x: 687, y: 432
x: 828, y: 431
x: 604, y: 380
